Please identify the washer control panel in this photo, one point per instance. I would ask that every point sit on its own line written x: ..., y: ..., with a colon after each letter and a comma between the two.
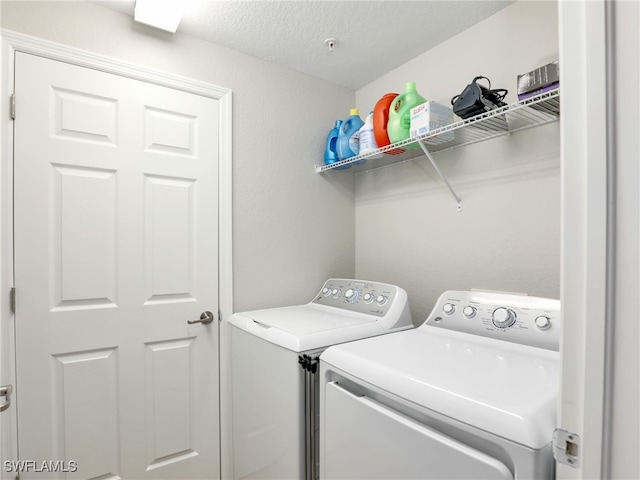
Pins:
x: 512, y: 317
x: 358, y: 296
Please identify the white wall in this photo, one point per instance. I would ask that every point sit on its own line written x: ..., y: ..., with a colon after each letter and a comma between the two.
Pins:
x: 507, y: 236
x: 285, y: 240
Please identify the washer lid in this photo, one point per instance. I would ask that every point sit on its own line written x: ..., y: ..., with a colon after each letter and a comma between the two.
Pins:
x: 503, y: 388
x: 307, y: 327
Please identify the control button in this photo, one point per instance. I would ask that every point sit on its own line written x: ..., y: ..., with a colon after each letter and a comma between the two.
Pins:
x: 449, y: 308
x: 381, y: 299
x: 367, y: 297
x: 335, y: 292
x: 326, y: 291
x: 543, y: 323
x: 469, y: 312
x: 503, y: 317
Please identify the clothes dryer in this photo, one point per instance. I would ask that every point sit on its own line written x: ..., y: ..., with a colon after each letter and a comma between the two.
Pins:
x: 274, y: 365
x: 471, y: 393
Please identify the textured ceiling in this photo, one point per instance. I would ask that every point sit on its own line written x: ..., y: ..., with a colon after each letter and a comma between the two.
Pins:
x: 372, y: 37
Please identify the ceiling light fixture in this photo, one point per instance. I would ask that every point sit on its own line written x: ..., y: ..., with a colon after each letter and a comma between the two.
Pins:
x: 162, y: 14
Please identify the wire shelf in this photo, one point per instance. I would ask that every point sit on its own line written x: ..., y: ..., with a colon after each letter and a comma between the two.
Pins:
x: 532, y: 112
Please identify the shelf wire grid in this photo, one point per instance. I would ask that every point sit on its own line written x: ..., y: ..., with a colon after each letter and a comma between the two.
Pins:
x: 532, y: 112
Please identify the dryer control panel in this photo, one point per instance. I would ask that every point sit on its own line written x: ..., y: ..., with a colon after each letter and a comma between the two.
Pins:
x: 511, y: 317
x: 360, y: 296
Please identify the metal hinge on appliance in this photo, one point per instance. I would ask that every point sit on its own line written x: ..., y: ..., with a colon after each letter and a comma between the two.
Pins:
x: 12, y: 299
x: 308, y: 362
x: 12, y: 106
x: 5, y: 392
x: 566, y: 448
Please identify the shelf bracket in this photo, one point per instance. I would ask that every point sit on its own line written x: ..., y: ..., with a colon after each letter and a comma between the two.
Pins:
x: 437, y: 169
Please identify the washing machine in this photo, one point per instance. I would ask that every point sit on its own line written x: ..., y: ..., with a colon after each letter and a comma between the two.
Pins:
x: 469, y: 394
x: 274, y: 371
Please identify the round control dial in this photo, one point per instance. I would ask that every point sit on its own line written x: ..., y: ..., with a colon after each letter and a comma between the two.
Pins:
x: 381, y: 299
x: 469, y: 312
x: 335, y: 292
x: 543, y: 323
x: 326, y: 291
x: 367, y: 297
x: 503, y: 317
x: 448, y: 308
x: 351, y: 295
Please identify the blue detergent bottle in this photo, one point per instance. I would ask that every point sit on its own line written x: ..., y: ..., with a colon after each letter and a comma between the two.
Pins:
x: 331, y: 149
x: 348, y: 139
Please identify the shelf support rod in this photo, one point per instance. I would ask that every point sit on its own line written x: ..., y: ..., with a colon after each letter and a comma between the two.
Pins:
x: 437, y: 169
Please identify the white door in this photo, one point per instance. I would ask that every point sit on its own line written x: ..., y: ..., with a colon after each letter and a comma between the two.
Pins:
x: 116, y: 218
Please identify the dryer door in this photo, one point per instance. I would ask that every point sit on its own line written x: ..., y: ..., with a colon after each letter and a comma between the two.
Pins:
x: 365, y: 439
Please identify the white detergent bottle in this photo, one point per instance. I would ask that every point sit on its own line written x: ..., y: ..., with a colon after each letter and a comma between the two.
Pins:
x: 367, y: 138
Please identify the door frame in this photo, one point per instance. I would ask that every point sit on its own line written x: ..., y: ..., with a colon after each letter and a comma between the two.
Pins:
x: 587, y: 228
x: 13, y: 42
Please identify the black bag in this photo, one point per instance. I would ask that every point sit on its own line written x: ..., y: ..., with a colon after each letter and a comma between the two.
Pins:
x: 476, y: 99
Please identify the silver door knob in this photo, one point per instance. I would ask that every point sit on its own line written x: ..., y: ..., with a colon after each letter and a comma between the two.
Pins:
x: 205, y: 317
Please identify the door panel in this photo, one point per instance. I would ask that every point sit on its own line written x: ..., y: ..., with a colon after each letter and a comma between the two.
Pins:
x: 169, y: 238
x: 83, y: 116
x: 86, y: 419
x: 170, y: 388
x: 87, y: 197
x: 364, y: 439
x: 170, y: 132
x: 115, y: 249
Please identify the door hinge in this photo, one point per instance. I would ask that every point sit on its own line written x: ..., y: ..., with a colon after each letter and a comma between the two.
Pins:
x: 566, y: 448
x: 12, y: 299
x: 12, y: 106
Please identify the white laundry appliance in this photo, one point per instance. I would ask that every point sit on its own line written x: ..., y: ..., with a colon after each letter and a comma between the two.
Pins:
x: 274, y: 371
x: 469, y: 394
